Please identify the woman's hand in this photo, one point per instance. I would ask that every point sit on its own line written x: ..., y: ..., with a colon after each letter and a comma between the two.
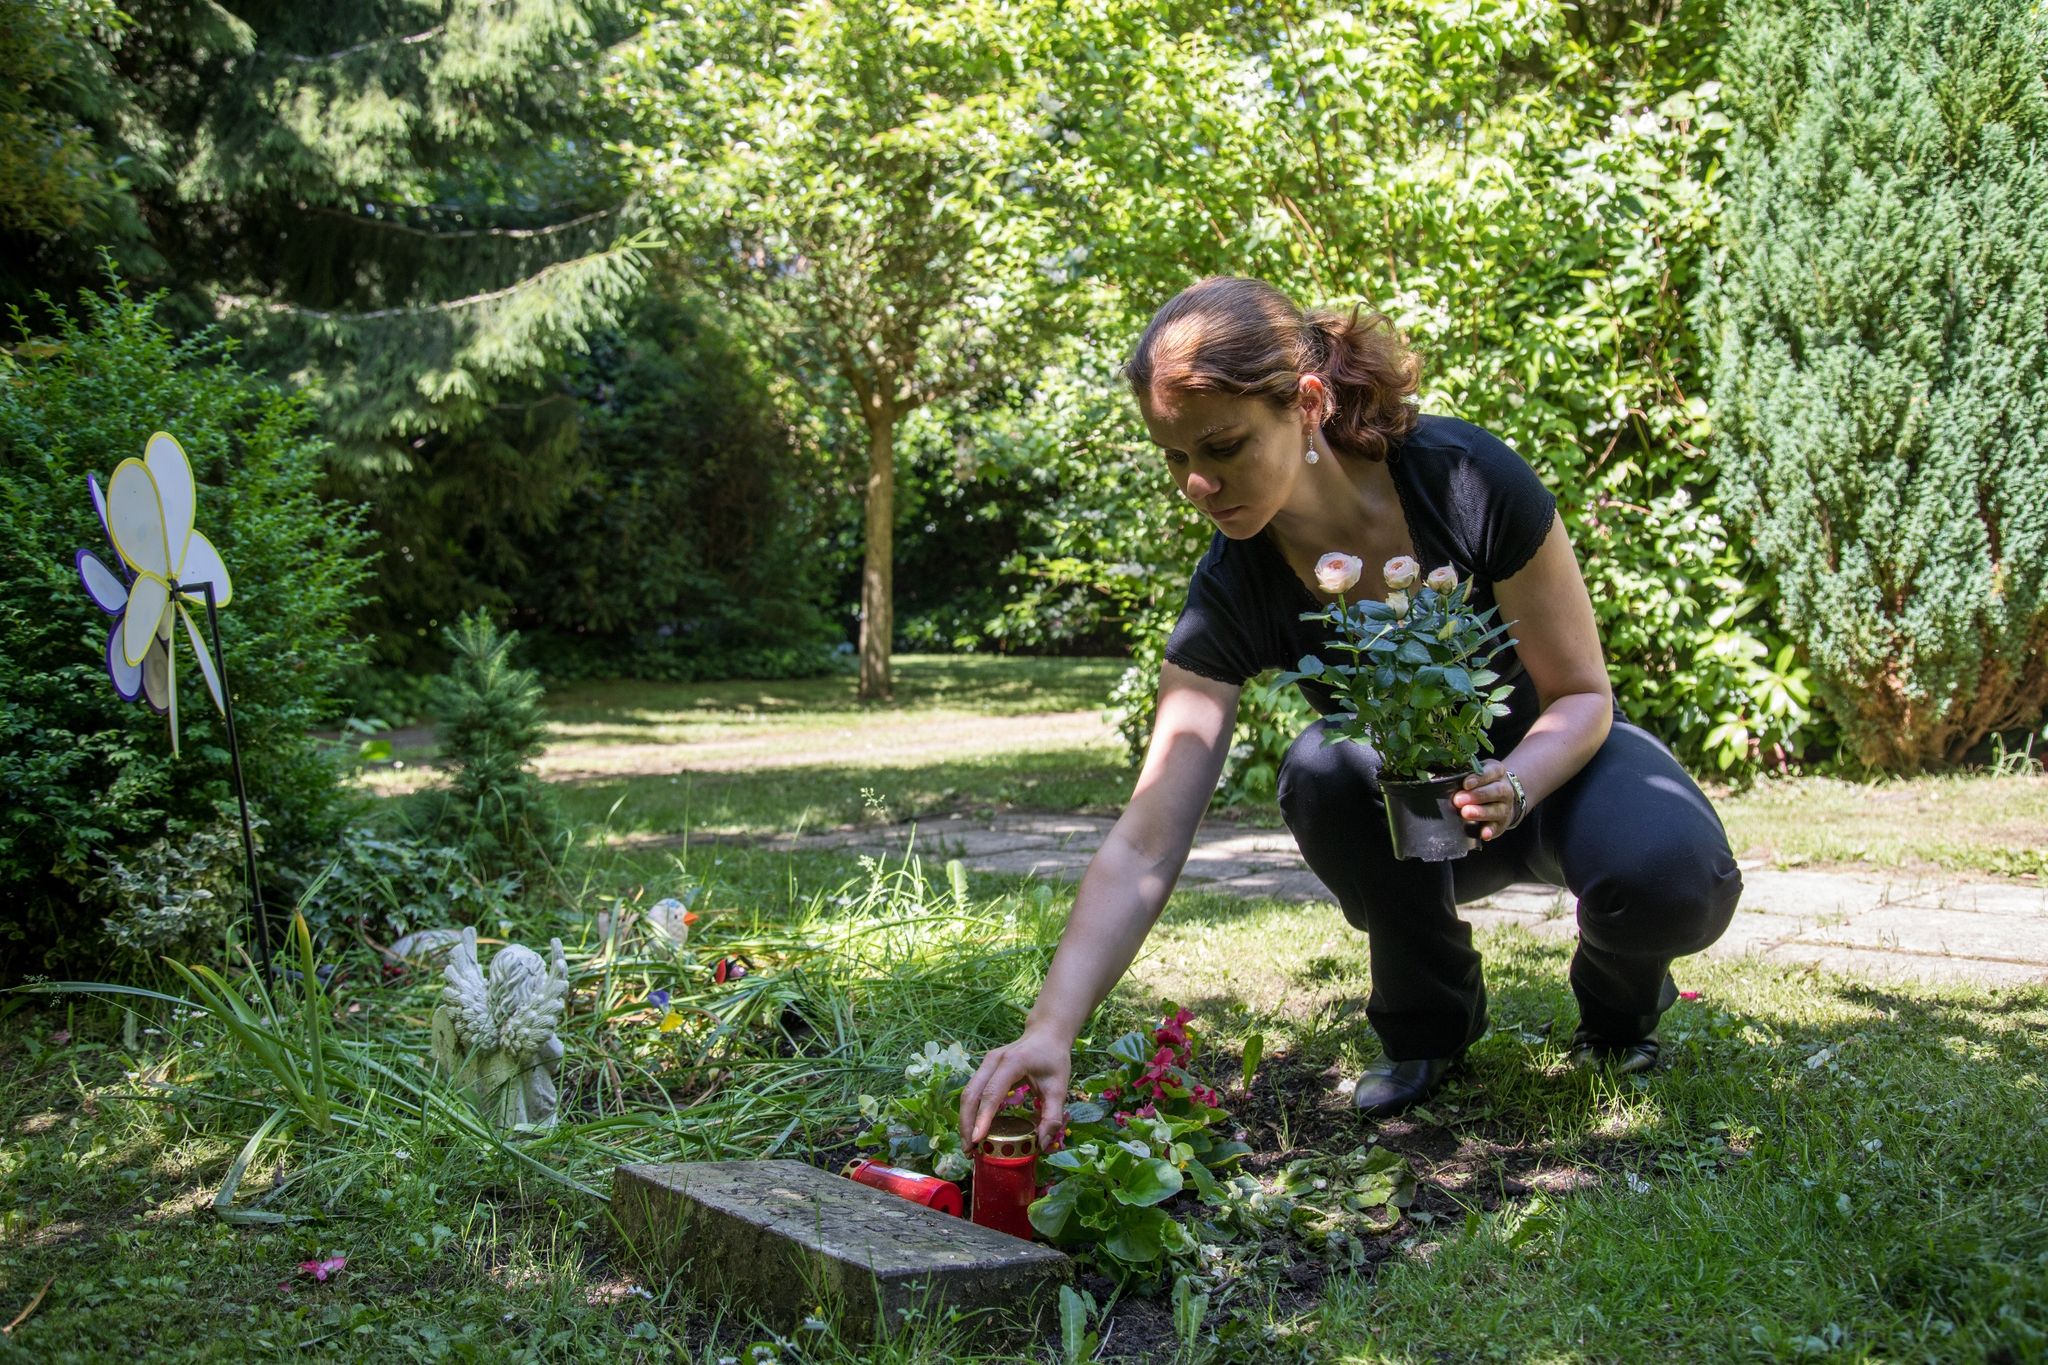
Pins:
x: 1487, y: 800
x: 1041, y: 1057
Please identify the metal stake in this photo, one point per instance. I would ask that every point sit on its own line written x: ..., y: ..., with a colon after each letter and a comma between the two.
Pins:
x: 227, y: 704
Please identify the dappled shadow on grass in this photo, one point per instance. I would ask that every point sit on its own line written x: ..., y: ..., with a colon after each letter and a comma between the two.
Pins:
x: 1880, y: 1151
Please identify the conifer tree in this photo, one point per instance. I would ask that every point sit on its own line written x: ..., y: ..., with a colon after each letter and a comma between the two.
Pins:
x: 496, y: 807
x: 1878, y: 331
x: 399, y: 205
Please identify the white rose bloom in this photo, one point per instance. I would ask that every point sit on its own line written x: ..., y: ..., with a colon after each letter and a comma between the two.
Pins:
x: 1443, y: 580
x: 1338, y: 572
x: 1401, y: 572
x: 1399, y: 602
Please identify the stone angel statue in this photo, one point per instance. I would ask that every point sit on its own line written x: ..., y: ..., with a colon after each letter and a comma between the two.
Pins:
x: 496, y: 1036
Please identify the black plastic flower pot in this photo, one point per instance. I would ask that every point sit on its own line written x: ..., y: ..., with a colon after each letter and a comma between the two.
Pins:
x: 1424, y: 823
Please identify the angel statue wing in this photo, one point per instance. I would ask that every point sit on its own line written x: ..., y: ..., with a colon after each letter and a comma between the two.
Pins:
x: 466, y: 998
x: 528, y: 1016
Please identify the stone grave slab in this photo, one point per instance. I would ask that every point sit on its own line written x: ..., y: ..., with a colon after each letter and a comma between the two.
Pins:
x: 780, y: 1239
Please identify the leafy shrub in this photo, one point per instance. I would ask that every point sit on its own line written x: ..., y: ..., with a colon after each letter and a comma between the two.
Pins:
x: 384, y: 885
x: 86, y: 774
x: 1877, y: 325
x: 495, y: 808
x: 1542, y: 198
x: 176, y: 896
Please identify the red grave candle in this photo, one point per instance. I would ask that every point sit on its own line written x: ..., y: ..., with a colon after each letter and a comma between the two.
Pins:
x: 1006, y: 1176
x: 927, y: 1190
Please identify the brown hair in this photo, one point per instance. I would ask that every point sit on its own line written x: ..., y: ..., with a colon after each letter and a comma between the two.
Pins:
x: 1238, y: 336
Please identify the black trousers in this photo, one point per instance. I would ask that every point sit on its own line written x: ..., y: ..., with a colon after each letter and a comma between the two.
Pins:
x: 1630, y: 835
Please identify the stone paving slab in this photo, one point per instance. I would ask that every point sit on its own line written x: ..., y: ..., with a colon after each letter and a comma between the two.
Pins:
x: 1930, y: 933
x: 780, y: 1239
x: 1916, y: 967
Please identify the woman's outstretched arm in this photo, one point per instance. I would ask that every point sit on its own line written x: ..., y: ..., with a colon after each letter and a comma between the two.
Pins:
x: 1119, y: 899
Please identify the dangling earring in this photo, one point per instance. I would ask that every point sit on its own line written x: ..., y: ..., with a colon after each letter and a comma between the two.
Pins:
x: 1329, y: 406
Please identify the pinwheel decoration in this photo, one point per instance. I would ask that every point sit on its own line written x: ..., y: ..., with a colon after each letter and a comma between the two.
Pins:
x: 163, y: 567
x: 167, y: 567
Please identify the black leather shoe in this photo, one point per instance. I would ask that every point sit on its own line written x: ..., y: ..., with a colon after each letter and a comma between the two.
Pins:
x: 1591, y: 1052
x: 1388, y: 1087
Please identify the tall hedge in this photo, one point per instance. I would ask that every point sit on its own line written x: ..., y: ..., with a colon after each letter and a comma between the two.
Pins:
x: 1878, y: 333
x: 87, y: 776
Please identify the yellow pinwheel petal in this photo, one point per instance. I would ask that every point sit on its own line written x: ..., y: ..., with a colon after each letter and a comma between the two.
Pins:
x: 146, y: 602
x: 172, y: 472
x: 135, y: 519
x: 203, y: 564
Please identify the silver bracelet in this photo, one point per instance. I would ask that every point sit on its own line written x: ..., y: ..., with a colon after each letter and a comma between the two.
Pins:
x: 1521, y: 797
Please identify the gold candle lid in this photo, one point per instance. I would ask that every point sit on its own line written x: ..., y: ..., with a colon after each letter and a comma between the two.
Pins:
x: 1011, y: 1137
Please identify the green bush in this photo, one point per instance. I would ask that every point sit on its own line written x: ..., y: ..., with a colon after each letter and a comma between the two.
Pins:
x: 86, y: 774
x: 1542, y: 196
x: 1877, y: 327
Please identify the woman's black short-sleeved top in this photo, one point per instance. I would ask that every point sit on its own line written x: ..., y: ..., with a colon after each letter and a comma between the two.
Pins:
x: 1470, y: 502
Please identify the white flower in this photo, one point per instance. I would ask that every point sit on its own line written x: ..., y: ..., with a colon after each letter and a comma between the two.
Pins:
x: 1337, y: 572
x: 949, y: 1060
x: 1401, y: 572
x: 1443, y: 580
x: 1399, y: 602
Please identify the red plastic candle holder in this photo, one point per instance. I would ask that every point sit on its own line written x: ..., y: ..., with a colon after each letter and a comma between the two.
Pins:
x: 927, y: 1190
x: 1006, y: 1177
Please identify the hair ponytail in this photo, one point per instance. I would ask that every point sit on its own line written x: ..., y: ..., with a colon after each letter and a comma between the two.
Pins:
x: 1244, y: 337
x: 1371, y: 374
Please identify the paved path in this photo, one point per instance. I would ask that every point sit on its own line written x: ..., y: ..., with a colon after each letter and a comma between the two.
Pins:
x: 1933, y: 928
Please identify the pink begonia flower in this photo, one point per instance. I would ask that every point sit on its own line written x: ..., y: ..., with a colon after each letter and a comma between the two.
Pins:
x: 319, y: 1270
x: 1337, y: 573
x: 1401, y: 572
x: 1443, y: 580
x: 1122, y: 1117
x: 1146, y: 1111
x: 1109, y: 1094
x: 1688, y: 995
x: 1173, y: 1032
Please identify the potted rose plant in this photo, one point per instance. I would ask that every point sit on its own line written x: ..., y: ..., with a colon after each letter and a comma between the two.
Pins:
x: 1411, y: 677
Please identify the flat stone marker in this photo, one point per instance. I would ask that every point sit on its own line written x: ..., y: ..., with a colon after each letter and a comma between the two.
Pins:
x: 779, y: 1239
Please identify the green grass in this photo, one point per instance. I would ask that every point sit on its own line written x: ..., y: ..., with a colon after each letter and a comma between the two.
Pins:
x: 1967, y: 822
x: 1823, y: 1168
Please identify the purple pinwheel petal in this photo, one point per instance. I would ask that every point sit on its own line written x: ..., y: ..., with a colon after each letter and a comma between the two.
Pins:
x: 658, y: 999
x: 99, y: 504
x: 102, y: 584
x: 127, y: 677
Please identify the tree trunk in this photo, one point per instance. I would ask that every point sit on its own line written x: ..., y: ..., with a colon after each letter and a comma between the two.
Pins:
x: 878, y: 568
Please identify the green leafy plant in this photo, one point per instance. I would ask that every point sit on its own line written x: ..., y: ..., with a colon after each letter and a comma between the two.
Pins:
x: 177, y: 895
x: 920, y: 1129
x: 1412, y: 676
x: 1106, y: 1185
